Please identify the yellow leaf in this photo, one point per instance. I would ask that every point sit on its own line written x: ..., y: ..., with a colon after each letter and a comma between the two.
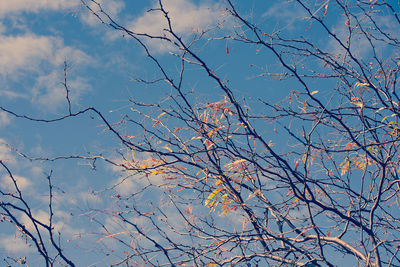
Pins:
x: 196, y: 137
x: 144, y: 166
x: 357, y: 84
x: 167, y: 148
x: 201, y: 171
x: 234, y: 163
x: 162, y: 114
x: 156, y: 172
x: 212, y: 195
x: 314, y: 92
x: 358, y: 104
x: 345, y: 165
x: 253, y: 194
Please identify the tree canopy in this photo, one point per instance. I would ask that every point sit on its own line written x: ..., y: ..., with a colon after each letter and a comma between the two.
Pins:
x: 250, y: 134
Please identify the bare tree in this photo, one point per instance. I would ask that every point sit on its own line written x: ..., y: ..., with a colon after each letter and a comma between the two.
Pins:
x: 236, y: 179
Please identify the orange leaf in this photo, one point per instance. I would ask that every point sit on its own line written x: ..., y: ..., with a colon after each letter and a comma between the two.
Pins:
x: 349, y: 145
x: 344, y: 166
x: 157, y: 122
x: 213, y: 131
x: 325, y: 9
x: 297, y: 165
x: 162, y: 114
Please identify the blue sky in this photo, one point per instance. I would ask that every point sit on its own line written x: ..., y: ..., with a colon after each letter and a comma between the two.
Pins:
x: 38, y: 36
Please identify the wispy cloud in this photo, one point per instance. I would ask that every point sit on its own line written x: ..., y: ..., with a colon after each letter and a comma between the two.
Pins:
x: 359, y: 44
x: 111, y: 7
x: 285, y: 14
x: 14, y: 244
x: 34, y: 54
x: 27, y: 52
x: 24, y: 52
x: 186, y: 18
x: 5, y: 153
x: 50, y: 93
x: 2, y: 28
x: 11, y: 94
x: 22, y: 182
x: 60, y: 221
x: 4, y: 119
x: 11, y: 7
x: 132, y: 184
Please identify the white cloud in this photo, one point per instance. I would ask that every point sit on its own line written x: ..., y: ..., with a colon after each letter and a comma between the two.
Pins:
x: 14, y: 244
x: 61, y: 222
x: 4, y: 119
x: 132, y: 184
x: 11, y: 94
x: 359, y: 44
x: 126, y: 186
x: 39, y: 215
x: 111, y: 7
x: 2, y: 28
x: 186, y: 17
x: 24, y: 52
x: 90, y: 198
x: 73, y: 55
x: 285, y: 15
x: 50, y: 93
x: 5, y: 153
x: 10, y: 7
x: 36, y: 54
x: 22, y: 182
x: 36, y: 171
x: 27, y: 52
